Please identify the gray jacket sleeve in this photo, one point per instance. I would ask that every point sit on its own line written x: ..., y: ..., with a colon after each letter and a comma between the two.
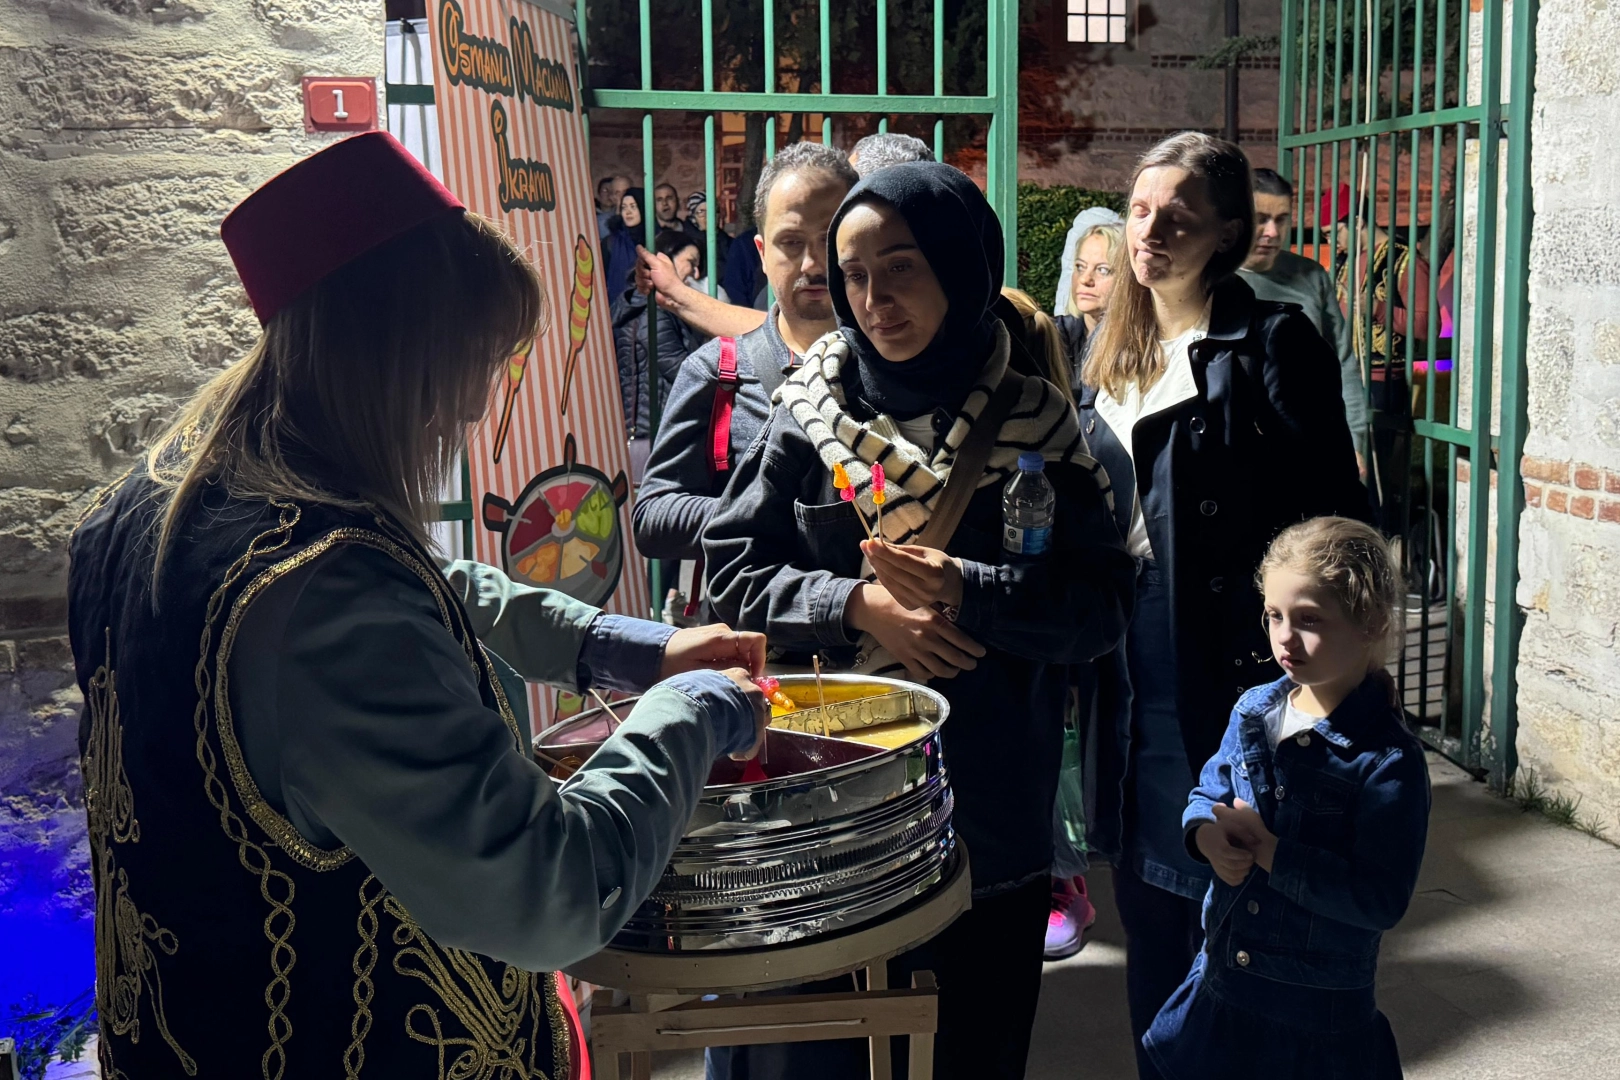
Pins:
x: 675, y: 503
x: 384, y: 744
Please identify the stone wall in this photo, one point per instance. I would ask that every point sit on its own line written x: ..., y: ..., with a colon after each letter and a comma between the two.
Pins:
x: 1569, y: 670
x: 127, y: 129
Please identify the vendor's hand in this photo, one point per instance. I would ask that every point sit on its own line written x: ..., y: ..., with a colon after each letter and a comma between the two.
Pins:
x: 916, y: 576
x: 715, y: 648
x: 1231, y: 862
x: 762, y: 707
x: 1361, y: 466
x: 657, y: 271
x: 1246, y: 827
x: 930, y: 646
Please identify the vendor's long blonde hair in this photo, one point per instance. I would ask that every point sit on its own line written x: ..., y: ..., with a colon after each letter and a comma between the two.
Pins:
x: 1126, y: 349
x: 360, y: 392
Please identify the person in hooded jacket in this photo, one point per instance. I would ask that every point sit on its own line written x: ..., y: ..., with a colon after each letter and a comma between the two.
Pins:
x: 915, y: 363
x: 630, y: 344
x: 1197, y: 398
x: 625, y: 231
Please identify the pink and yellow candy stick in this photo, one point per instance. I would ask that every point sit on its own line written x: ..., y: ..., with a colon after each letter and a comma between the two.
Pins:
x: 579, y: 313
x: 879, y: 494
x: 846, y: 492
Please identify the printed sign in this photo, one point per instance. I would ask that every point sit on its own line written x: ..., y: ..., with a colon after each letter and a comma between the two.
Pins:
x: 550, y: 463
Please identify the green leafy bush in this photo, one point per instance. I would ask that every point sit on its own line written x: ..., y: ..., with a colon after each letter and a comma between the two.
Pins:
x: 1044, y: 217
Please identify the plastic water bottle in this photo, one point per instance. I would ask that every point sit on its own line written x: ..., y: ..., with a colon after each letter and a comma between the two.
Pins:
x: 1028, y: 506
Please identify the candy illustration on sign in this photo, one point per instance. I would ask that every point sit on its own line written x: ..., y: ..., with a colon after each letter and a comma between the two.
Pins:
x: 579, y: 312
x: 563, y: 531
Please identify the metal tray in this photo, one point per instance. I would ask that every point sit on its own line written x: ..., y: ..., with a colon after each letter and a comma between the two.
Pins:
x: 840, y: 833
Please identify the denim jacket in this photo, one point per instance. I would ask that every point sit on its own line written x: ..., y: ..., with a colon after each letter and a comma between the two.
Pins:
x: 1349, y: 804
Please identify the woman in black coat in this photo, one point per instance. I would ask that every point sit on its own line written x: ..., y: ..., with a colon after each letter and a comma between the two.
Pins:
x: 907, y: 376
x: 1220, y: 421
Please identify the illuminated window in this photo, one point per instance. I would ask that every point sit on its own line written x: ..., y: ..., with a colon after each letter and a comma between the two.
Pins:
x: 1097, y: 21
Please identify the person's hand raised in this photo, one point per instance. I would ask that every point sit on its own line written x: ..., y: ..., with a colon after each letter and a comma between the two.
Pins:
x: 1230, y: 861
x: 716, y: 648
x: 1246, y: 827
x: 916, y: 576
x: 655, y: 271
x: 930, y: 646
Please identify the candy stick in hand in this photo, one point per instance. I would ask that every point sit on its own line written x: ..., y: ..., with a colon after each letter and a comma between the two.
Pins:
x: 879, y: 494
x: 846, y: 492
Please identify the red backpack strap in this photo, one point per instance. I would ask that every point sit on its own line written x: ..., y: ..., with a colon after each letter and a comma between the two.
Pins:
x: 725, y: 397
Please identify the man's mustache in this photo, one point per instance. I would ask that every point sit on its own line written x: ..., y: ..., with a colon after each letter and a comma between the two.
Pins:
x: 807, y: 282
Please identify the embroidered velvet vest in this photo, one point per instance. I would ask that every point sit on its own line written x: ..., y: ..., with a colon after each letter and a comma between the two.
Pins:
x: 226, y: 944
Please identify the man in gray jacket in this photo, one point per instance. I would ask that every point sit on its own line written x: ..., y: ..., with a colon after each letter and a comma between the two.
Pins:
x: 799, y: 191
x: 1275, y: 273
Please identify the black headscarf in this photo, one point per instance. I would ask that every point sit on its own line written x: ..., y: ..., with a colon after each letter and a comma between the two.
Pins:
x: 960, y: 237
x: 640, y: 196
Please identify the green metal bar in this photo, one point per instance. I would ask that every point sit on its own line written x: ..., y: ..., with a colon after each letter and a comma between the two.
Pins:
x: 826, y: 46
x: 655, y: 568
x: 770, y: 47
x: 826, y: 130
x: 708, y: 46
x: 1289, y: 57
x: 1504, y: 718
x: 1417, y: 62
x: 709, y: 224
x: 1375, y: 64
x: 460, y: 510
x: 407, y: 93
x: 1479, y: 457
x: 1442, y: 432
x: 1004, y: 127
x: 646, y: 52
x: 832, y: 104
x: 883, y: 55
x: 939, y: 74
x: 1355, y: 71
x: 1411, y: 122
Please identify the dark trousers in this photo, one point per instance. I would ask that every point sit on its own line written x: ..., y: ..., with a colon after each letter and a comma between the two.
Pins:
x: 988, y: 964
x: 1163, y: 933
x: 1390, y: 488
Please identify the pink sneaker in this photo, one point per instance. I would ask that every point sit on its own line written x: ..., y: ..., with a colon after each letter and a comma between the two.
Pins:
x: 1071, y: 916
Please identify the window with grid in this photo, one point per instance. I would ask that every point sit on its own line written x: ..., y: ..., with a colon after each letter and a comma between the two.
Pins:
x: 1097, y: 21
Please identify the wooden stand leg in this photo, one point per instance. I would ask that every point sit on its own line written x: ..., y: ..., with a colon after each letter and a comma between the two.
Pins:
x: 922, y: 1046
x: 877, y: 978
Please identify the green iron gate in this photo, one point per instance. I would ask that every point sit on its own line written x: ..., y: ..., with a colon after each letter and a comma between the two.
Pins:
x: 1397, y: 112
x: 998, y: 106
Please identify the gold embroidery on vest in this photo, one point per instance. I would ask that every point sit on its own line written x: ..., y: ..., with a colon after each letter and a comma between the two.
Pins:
x: 126, y: 966
x: 247, y: 789
x: 365, y: 961
x: 101, y: 498
x: 504, y: 1023
x: 275, y: 886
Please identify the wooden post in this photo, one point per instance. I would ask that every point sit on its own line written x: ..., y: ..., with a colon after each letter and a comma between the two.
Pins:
x: 922, y: 1043
x: 877, y: 978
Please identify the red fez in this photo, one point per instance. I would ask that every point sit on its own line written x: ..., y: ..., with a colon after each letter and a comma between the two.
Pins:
x: 326, y: 211
x: 1331, y: 215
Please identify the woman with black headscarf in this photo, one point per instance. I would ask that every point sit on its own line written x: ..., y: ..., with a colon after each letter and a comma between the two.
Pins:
x: 918, y: 360
x: 625, y: 232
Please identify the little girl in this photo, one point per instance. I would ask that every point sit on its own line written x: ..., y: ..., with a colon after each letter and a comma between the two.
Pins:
x: 1313, y: 815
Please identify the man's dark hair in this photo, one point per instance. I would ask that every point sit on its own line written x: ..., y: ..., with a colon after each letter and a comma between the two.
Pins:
x: 666, y: 184
x: 888, y: 148
x: 799, y: 157
x: 671, y: 242
x: 1270, y: 182
x: 606, y: 181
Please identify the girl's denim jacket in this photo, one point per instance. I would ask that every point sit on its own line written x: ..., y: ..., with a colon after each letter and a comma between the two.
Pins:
x: 1349, y: 804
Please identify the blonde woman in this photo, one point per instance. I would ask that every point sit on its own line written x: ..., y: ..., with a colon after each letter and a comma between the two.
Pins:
x: 310, y: 796
x: 1218, y: 419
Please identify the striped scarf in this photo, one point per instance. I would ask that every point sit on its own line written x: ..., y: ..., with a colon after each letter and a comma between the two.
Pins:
x: 1042, y: 421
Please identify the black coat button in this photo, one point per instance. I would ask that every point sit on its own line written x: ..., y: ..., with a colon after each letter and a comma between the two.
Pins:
x: 1217, y: 584
x: 1196, y: 425
x: 1091, y: 425
x: 1208, y: 508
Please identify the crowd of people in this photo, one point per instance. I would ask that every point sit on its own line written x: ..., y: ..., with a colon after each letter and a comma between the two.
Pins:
x: 1207, y: 603
x: 1191, y: 369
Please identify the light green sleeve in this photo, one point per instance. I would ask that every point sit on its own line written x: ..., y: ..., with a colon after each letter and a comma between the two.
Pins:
x: 540, y: 632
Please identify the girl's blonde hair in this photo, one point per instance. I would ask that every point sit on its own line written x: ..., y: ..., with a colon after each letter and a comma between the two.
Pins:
x: 1126, y: 350
x: 1353, y: 562
x: 360, y: 393
x: 1040, y: 332
x: 1115, y: 235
